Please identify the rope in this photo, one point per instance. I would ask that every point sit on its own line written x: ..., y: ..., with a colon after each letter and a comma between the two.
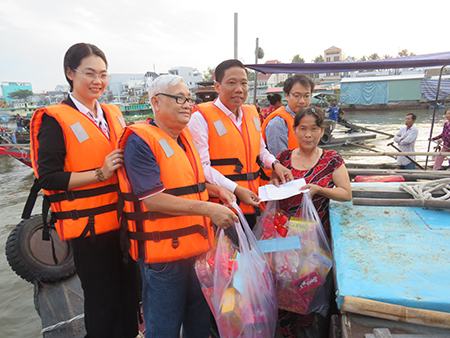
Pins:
x: 424, y: 191
x: 58, y: 325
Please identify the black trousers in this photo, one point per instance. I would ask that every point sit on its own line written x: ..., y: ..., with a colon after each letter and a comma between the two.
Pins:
x: 110, y: 287
x: 251, y: 220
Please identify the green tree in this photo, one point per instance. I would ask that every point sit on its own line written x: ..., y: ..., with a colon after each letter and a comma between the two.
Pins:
x: 297, y: 59
x: 21, y: 94
x: 405, y: 52
x: 387, y: 56
x: 208, y: 74
x: 374, y: 56
x: 319, y: 59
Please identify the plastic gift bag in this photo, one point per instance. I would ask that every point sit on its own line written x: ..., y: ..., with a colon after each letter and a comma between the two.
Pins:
x: 299, y: 274
x: 238, y: 285
x: 272, y: 223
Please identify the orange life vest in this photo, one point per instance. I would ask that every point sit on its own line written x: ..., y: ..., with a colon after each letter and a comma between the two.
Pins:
x: 234, y: 153
x: 91, y: 209
x: 289, y: 119
x: 292, y: 140
x: 156, y: 237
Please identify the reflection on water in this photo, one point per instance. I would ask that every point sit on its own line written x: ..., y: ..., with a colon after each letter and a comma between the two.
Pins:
x: 18, y: 316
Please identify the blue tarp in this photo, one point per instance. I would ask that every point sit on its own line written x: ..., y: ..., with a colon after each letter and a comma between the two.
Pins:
x: 396, y: 255
x: 364, y: 93
x: 426, y: 60
x: 428, y: 88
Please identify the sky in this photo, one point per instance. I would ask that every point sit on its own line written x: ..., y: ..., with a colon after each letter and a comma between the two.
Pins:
x: 146, y: 35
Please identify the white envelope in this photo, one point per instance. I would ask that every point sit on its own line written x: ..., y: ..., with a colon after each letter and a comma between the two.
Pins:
x: 271, y: 192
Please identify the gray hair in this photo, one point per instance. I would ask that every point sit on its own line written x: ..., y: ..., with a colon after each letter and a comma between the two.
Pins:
x: 162, y: 83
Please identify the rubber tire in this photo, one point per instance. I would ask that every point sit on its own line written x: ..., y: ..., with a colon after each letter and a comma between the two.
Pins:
x: 20, y: 255
x: 326, y: 137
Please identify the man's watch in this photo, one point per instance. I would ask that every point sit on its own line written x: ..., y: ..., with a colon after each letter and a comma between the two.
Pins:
x: 273, y: 164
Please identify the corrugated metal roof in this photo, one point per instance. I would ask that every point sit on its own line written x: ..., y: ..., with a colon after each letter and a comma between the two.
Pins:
x: 383, y: 78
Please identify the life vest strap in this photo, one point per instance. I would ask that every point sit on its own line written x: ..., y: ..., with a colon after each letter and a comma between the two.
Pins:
x: 89, y: 228
x: 187, y: 190
x: 190, y: 189
x: 71, y: 195
x: 244, y: 177
x: 31, y: 200
x: 45, y: 225
x: 228, y: 161
x: 76, y: 214
x: 144, y: 215
x: 157, y: 236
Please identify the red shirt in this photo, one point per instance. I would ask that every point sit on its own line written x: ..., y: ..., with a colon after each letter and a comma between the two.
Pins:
x: 321, y: 174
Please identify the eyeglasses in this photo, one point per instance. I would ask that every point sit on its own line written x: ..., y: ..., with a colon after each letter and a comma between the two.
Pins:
x: 91, y: 75
x: 297, y: 96
x: 178, y: 98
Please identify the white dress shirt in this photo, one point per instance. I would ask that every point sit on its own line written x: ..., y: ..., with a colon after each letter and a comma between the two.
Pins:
x: 100, y: 120
x: 406, y: 139
x: 199, y: 130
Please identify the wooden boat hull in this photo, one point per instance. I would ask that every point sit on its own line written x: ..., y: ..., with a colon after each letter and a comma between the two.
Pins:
x: 394, y: 255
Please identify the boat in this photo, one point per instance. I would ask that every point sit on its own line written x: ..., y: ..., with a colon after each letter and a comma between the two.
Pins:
x: 337, y: 133
x: 427, y: 60
x: 15, y: 143
x: 392, y: 267
x: 383, y: 254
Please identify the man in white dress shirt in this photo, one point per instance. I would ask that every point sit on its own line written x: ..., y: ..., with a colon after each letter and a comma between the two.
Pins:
x: 406, y: 140
x: 227, y: 135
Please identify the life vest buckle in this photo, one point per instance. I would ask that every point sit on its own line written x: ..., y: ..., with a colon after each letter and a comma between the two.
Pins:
x: 156, y: 236
x: 74, y: 214
x: 175, y: 243
x: 250, y: 176
x: 70, y: 196
x: 238, y: 168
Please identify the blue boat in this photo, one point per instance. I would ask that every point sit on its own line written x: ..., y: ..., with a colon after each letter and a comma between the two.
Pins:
x: 393, y: 255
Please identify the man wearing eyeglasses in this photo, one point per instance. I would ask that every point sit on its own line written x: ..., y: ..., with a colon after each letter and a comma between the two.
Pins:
x: 278, y: 131
x: 227, y: 134
x: 167, y: 212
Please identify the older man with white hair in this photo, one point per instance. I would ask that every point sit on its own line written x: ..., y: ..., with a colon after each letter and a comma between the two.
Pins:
x: 167, y: 212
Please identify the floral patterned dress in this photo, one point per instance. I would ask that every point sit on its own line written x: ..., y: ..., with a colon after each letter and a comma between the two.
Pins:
x: 321, y: 174
x: 292, y: 325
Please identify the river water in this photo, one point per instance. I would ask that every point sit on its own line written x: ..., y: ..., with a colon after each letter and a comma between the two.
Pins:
x: 19, y: 319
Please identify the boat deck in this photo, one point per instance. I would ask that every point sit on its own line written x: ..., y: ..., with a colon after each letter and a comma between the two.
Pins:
x: 341, y: 138
x: 397, y: 255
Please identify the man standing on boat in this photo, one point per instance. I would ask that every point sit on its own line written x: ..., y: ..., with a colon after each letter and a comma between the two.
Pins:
x: 167, y: 213
x: 406, y: 140
x: 227, y: 134
x: 277, y: 129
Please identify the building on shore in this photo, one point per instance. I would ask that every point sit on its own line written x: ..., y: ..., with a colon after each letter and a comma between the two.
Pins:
x: 127, y: 86
x: 190, y: 75
x: 400, y: 89
x: 10, y: 87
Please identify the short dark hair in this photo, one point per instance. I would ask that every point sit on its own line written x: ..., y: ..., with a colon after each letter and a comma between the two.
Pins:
x: 219, y: 72
x: 413, y: 116
x: 274, y: 98
x: 76, y: 53
x: 304, y: 80
x: 315, y: 112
